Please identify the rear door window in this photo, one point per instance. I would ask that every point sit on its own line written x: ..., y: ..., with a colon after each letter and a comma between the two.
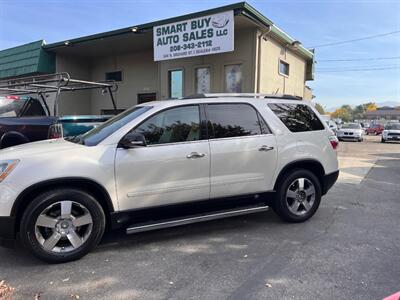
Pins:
x: 297, y: 117
x: 233, y: 120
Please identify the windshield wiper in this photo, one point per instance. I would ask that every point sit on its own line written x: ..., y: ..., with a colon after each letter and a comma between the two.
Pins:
x: 77, y: 139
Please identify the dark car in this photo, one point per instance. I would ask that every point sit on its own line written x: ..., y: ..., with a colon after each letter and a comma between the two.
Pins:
x: 26, y: 119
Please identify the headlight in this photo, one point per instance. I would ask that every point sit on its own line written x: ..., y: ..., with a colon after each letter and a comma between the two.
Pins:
x: 385, y: 132
x: 6, y: 167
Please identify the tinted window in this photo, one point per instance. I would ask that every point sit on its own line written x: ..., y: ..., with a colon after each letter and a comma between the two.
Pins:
x: 297, y: 117
x: 351, y: 126
x: 34, y: 108
x: 181, y: 124
x: 230, y: 120
x: 114, y: 76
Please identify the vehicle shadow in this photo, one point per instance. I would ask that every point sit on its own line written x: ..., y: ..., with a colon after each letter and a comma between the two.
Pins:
x: 197, y: 230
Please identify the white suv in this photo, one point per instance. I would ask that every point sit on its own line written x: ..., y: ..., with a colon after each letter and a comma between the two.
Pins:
x: 163, y: 164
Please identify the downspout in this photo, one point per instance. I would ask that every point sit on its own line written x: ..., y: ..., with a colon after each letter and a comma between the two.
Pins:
x: 261, y: 37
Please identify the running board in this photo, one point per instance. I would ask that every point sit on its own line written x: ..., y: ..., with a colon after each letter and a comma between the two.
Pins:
x: 195, y: 219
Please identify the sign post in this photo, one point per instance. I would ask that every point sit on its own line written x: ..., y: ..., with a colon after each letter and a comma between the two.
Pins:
x: 200, y: 36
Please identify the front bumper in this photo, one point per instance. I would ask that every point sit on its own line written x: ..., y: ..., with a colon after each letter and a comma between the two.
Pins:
x: 328, y: 181
x: 391, y: 138
x: 350, y: 137
x: 7, y: 231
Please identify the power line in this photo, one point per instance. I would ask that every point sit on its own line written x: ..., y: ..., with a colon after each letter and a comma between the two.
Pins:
x: 357, y: 70
x: 356, y: 40
x: 357, y: 67
x: 358, y: 59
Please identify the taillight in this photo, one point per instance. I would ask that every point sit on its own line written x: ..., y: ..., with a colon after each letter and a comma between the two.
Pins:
x: 55, y: 131
x: 334, y: 141
x: 12, y: 97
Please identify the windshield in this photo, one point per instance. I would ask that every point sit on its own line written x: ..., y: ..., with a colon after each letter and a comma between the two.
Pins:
x: 96, y: 135
x: 11, y: 106
x: 393, y: 126
x: 351, y: 126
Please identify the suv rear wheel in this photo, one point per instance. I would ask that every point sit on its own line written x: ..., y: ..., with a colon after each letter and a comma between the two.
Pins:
x: 298, y: 196
x: 62, y: 225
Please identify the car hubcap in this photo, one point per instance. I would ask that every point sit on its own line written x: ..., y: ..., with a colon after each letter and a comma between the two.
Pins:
x: 300, y: 196
x: 63, y: 226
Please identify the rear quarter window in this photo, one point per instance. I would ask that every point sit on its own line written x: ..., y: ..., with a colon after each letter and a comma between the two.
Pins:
x: 297, y: 117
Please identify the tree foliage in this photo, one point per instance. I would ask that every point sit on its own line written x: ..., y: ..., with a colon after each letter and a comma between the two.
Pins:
x: 320, y: 108
x: 341, y: 113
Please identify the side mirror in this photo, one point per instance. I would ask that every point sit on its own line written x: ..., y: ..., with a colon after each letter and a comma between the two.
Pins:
x: 133, y: 140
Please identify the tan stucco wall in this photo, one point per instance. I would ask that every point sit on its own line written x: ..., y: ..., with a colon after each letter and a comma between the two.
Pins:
x: 243, y: 54
x: 139, y: 75
x: 270, y: 79
x: 78, y: 102
x: 142, y: 75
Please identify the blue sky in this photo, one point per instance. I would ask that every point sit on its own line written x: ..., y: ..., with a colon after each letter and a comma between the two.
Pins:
x: 312, y: 22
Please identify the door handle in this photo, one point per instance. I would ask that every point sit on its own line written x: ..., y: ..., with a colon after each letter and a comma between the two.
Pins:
x: 195, y: 155
x: 266, y: 148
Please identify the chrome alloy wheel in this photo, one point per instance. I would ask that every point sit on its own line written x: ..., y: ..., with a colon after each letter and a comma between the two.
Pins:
x: 63, y: 226
x: 300, y: 196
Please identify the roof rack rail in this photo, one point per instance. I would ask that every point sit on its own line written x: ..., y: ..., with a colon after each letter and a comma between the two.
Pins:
x: 244, y: 95
x: 53, y: 83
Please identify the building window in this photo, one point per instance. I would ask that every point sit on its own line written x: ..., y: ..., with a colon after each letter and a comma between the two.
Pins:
x: 146, y: 97
x: 175, y: 84
x: 114, y: 76
x: 283, y: 68
x: 203, y: 80
x: 233, y: 79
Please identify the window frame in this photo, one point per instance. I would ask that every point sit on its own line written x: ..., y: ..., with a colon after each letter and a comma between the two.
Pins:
x: 169, y: 71
x: 279, y: 68
x: 115, y: 71
x: 203, y: 131
x: 210, y: 129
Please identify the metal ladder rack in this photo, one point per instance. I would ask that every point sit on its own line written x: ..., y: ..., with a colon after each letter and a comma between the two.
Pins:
x: 53, y: 83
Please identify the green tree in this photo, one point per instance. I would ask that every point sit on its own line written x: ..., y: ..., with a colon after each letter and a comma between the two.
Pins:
x: 341, y: 113
x: 320, y: 108
x: 359, y: 112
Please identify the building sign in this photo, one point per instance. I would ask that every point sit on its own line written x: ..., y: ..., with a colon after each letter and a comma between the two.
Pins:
x: 201, y: 36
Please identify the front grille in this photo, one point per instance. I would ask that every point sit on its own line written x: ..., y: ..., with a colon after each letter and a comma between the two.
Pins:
x: 348, y: 133
x: 394, y: 134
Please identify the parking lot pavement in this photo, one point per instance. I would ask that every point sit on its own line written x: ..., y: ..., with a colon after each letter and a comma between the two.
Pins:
x: 349, y: 250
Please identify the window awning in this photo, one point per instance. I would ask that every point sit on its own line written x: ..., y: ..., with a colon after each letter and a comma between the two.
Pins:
x: 28, y: 59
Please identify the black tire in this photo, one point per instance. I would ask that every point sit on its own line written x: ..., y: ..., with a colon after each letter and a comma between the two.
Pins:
x: 281, y: 206
x: 52, y: 198
x: 382, y: 140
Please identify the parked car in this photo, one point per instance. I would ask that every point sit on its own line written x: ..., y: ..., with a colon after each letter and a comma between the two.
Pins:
x: 24, y: 119
x: 351, y: 131
x: 163, y: 164
x: 374, y: 129
x: 391, y: 132
x: 332, y: 126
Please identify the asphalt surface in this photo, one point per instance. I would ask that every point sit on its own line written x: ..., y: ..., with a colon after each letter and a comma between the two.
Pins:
x: 349, y: 250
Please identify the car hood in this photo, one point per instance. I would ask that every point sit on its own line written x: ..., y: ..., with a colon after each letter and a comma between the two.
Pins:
x: 392, y: 131
x: 38, y: 148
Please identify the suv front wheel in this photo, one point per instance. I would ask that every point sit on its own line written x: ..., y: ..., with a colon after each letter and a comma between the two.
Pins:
x: 62, y: 225
x: 298, y: 196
